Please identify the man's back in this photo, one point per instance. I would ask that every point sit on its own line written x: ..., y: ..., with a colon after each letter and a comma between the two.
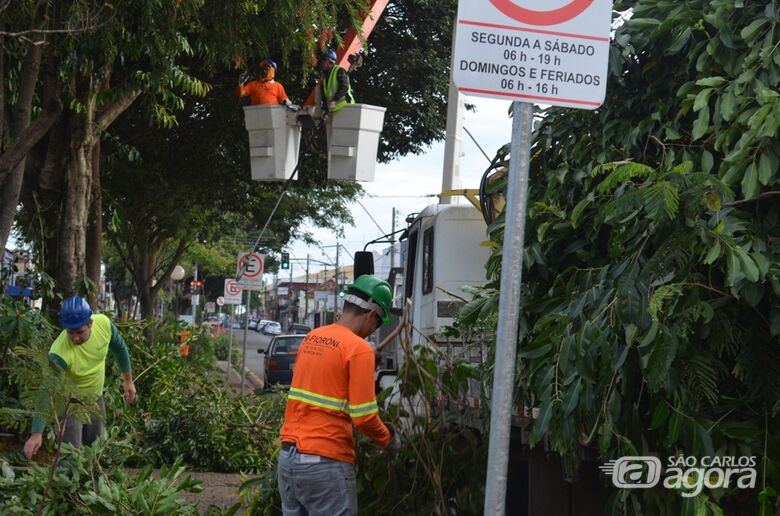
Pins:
x: 332, y: 388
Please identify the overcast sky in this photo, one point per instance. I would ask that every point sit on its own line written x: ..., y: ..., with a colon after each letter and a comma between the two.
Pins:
x: 404, y: 183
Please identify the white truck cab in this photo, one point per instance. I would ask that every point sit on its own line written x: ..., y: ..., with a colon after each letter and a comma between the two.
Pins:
x: 443, y: 251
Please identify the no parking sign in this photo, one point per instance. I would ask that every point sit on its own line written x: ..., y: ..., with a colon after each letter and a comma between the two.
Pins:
x: 232, y: 295
x: 249, y: 271
x: 539, y: 51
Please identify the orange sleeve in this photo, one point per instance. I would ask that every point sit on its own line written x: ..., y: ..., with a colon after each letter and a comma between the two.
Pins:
x: 242, y: 91
x: 362, y: 402
x: 280, y: 93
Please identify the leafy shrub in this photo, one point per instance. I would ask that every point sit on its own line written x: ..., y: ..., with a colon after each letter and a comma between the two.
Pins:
x: 221, y: 345
x: 183, y: 409
x: 19, y: 326
x: 92, y: 481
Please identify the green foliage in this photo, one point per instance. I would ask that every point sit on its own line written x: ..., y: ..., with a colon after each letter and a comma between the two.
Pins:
x: 32, y: 385
x: 221, y: 346
x: 435, y: 471
x: 184, y: 411
x: 649, y: 319
x: 92, y: 481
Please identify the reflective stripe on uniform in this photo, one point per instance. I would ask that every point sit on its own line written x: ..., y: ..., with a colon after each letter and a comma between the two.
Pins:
x: 318, y: 400
x: 340, y: 405
x: 364, y: 409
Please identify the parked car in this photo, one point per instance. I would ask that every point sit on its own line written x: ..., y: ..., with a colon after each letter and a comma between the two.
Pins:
x: 299, y: 329
x: 272, y: 328
x: 280, y: 359
x: 261, y: 323
x: 252, y: 324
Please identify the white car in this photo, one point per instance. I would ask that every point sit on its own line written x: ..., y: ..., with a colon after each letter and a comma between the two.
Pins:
x: 272, y: 328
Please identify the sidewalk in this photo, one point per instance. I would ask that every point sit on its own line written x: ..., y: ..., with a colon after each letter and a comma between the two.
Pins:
x: 251, y: 381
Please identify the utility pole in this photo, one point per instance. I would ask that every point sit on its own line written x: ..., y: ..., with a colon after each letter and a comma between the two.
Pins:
x: 336, y: 292
x: 195, y: 297
x: 290, y: 299
x: 453, y: 141
x: 392, y: 242
x: 306, y: 297
x: 276, y: 296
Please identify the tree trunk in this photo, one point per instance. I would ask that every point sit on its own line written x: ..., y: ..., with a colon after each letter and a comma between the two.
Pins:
x: 22, y: 115
x: 2, y: 84
x: 71, y: 263
x: 95, y: 228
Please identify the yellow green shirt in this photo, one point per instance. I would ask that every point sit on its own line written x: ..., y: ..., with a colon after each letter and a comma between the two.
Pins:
x: 86, y: 362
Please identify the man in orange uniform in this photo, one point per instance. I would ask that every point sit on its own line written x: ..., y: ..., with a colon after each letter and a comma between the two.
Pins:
x: 265, y: 90
x: 332, y: 390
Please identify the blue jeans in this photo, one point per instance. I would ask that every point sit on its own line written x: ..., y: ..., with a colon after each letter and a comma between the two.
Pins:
x: 311, y: 485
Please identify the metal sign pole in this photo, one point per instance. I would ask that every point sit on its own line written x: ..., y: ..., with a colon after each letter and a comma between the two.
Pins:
x: 508, y: 310
x: 246, y: 330
x: 230, y: 341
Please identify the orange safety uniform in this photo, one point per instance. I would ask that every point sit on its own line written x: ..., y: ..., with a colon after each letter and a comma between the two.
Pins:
x: 262, y: 92
x: 332, y: 390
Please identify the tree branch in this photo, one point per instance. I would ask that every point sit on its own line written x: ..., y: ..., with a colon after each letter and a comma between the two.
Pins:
x: 112, y: 110
x: 183, y: 244
x: 27, y: 139
x: 752, y: 199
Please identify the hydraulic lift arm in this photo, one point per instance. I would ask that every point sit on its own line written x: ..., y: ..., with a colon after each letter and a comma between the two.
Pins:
x: 353, y: 42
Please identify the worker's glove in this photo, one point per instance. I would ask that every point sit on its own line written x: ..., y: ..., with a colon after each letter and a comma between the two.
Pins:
x: 394, y: 447
x: 290, y: 105
x: 331, y: 105
x: 243, y: 78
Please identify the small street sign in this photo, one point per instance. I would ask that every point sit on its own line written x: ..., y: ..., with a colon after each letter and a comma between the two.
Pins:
x: 249, y: 271
x: 539, y: 51
x: 233, y: 292
x: 220, y: 301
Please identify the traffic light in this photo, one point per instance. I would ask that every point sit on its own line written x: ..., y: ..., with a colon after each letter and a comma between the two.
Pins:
x: 285, y: 261
x: 196, y: 286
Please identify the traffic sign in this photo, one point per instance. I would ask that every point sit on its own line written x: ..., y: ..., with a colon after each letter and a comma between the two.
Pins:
x: 232, y: 294
x: 249, y: 271
x: 220, y: 301
x: 540, y: 51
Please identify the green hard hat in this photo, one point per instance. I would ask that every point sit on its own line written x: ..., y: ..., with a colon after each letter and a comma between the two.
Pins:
x: 378, y: 290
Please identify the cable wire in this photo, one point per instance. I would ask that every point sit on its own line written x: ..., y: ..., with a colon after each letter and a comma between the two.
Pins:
x: 478, y: 145
x: 382, y: 231
x: 268, y: 221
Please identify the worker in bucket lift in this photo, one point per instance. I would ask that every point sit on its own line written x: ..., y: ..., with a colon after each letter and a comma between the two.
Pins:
x: 265, y: 90
x: 332, y: 391
x: 334, y: 83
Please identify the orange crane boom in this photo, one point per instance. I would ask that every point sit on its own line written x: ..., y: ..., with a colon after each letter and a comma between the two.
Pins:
x: 353, y: 42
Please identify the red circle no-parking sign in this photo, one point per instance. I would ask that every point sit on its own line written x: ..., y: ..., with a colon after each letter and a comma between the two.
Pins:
x: 535, y: 17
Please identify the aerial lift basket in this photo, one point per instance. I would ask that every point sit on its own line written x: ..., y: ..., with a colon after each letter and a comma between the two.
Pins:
x: 274, y: 141
x: 353, y: 141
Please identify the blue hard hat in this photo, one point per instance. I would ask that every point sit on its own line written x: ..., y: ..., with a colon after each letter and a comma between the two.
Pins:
x: 329, y: 54
x: 75, y: 313
x: 270, y: 62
